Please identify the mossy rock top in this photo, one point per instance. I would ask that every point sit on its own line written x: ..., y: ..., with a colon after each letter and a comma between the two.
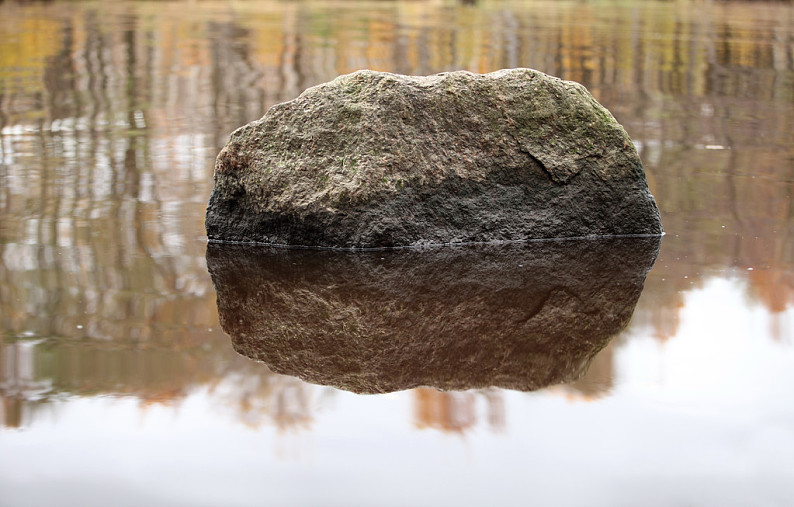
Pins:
x: 374, y: 159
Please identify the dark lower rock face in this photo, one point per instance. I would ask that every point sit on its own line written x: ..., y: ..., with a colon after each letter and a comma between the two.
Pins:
x: 374, y: 160
x: 518, y: 316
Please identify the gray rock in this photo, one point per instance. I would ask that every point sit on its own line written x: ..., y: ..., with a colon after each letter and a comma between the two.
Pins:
x: 519, y: 316
x: 374, y: 160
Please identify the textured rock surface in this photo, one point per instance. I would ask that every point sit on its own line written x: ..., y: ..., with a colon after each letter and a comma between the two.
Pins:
x: 374, y: 159
x: 519, y: 316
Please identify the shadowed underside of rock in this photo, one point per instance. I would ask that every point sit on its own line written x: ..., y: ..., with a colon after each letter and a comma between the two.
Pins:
x: 374, y: 159
x: 519, y: 316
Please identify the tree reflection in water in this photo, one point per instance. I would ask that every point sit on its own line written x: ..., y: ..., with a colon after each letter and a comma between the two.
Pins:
x: 111, y: 114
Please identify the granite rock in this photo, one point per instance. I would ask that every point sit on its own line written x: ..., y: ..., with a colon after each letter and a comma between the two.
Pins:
x: 374, y: 160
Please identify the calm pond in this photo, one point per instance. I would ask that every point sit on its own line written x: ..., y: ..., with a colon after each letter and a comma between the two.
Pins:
x: 119, y: 385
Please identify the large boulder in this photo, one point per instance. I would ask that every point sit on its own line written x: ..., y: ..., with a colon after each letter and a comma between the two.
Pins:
x: 373, y: 159
x: 519, y: 316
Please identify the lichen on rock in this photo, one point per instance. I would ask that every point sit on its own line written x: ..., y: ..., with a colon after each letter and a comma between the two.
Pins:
x: 374, y: 159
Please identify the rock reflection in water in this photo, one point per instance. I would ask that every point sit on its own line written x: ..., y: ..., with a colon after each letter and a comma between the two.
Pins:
x: 519, y: 316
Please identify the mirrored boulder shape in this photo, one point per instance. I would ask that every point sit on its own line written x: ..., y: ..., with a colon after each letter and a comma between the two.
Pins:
x: 515, y: 316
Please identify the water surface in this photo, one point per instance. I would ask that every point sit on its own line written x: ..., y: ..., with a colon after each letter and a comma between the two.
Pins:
x: 119, y: 386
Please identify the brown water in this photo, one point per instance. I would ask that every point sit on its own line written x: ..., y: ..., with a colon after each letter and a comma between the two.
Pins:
x: 119, y: 387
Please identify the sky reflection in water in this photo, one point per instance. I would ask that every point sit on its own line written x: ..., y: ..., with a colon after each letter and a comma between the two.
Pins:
x: 118, y: 384
x: 689, y: 418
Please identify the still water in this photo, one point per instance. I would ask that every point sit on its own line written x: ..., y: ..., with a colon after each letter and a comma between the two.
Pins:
x: 119, y: 385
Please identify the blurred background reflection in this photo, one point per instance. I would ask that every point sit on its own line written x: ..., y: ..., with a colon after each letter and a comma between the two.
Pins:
x: 111, y: 114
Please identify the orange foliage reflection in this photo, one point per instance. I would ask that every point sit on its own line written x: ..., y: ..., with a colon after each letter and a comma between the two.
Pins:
x: 456, y: 412
x: 111, y: 114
